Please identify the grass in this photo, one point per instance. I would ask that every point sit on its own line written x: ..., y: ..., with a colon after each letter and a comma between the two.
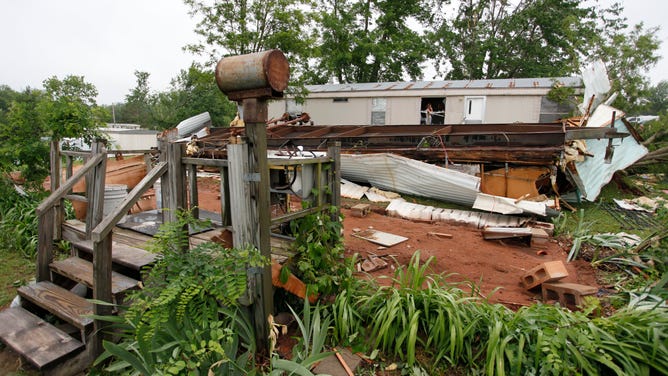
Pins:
x: 15, y: 270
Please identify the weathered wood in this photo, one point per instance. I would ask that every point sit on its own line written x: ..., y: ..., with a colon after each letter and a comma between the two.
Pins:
x: 56, y: 177
x: 105, y: 284
x: 193, y: 197
x: 95, y: 190
x: 240, y: 200
x: 255, y: 117
x: 107, y: 224
x: 122, y: 254
x: 81, y: 271
x: 44, y: 244
x: 54, y: 197
x: 60, y: 302
x: 36, y: 340
x: 225, y: 201
x: 176, y: 181
x: 294, y: 215
x: 130, y: 237
x: 334, y: 153
x: 204, y: 162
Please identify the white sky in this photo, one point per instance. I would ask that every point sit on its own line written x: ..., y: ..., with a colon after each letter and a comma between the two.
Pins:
x: 107, y: 40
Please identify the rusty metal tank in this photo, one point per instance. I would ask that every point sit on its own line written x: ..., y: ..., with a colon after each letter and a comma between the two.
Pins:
x: 256, y: 71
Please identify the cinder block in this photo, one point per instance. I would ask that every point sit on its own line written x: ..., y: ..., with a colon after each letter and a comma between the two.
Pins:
x: 546, y: 226
x: 546, y: 272
x: 569, y: 295
x: 360, y: 210
x: 539, y: 237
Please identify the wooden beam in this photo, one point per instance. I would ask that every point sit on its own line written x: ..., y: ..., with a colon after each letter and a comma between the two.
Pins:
x: 205, y: 162
x: 95, y: 190
x: 225, y: 201
x: 334, y: 153
x: 239, y: 196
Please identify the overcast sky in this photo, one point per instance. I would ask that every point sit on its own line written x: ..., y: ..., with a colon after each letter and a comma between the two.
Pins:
x: 107, y: 40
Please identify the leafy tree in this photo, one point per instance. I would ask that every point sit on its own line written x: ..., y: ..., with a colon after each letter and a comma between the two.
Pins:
x: 370, y: 41
x: 497, y: 38
x: 628, y: 53
x: 237, y: 27
x: 193, y: 91
x: 66, y: 108
x: 137, y: 109
x: 657, y: 98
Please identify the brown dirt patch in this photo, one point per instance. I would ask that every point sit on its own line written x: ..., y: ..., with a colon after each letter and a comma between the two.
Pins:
x: 491, y: 265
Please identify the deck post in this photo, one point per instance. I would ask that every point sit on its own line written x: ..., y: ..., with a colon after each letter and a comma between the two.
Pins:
x: 95, y: 190
x: 334, y: 152
x: 255, y: 116
x: 176, y: 182
x: 101, y: 291
x: 56, y: 178
x: 242, y: 221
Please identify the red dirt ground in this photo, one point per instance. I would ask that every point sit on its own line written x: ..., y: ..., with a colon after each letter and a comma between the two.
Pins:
x: 465, y: 257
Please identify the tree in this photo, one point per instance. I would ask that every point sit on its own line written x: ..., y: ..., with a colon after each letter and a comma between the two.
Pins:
x: 500, y: 39
x: 657, y: 98
x: 193, y: 91
x: 628, y: 53
x: 66, y: 108
x: 237, y: 27
x: 371, y: 41
x: 137, y: 108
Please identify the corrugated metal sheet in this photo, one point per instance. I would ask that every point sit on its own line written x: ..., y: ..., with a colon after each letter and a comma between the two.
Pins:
x: 404, y: 175
x: 401, y: 208
x: 594, y: 173
x: 453, y: 84
x: 193, y: 124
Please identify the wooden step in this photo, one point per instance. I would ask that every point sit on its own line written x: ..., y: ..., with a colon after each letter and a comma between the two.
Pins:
x: 39, y: 342
x: 122, y: 254
x: 62, y: 303
x: 80, y: 270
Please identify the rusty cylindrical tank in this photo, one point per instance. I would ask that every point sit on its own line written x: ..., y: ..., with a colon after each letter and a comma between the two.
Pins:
x: 261, y: 70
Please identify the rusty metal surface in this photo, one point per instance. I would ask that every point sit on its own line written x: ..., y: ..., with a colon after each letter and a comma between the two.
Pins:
x: 261, y: 70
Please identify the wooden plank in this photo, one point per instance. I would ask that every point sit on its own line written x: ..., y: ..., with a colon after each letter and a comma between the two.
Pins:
x: 242, y: 221
x: 205, y: 162
x: 81, y: 271
x: 122, y: 254
x: 39, y: 342
x: 95, y: 190
x: 193, y: 203
x: 130, y: 237
x: 62, y: 303
x: 74, y: 230
x: 106, y: 284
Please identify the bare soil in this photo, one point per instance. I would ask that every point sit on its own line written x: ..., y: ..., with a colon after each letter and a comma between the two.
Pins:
x: 494, y: 266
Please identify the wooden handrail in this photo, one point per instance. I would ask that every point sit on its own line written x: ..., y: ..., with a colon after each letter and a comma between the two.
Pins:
x: 104, y: 228
x: 64, y: 189
x: 72, y: 153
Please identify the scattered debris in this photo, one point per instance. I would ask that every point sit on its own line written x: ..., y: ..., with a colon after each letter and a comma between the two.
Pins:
x: 360, y: 210
x: 495, y: 233
x: 373, y: 263
x: 440, y: 235
x: 342, y: 363
x: 630, y: 219
x: 550, y: 271
x: 504, y: 205
x: 570, y: 295
x: 379, y: 237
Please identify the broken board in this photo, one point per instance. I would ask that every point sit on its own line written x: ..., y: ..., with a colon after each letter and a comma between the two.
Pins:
x: 379, y: 237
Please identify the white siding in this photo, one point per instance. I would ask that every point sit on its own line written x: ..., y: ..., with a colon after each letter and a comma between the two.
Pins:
x: 510, y: 109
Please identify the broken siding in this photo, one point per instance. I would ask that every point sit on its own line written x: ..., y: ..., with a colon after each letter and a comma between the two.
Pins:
x: 593, y: 174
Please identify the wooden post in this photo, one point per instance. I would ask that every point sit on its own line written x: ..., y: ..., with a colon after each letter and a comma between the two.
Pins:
x: 101, y: 291
x: 95, y: 191
x: 176, y: 181
x: 239, y: 188
x: 334, y: 152
x: 225, y: 201
x: 193, y: 197
x: 56, y: 177
x: 255, y: 116
x: 45, y: 245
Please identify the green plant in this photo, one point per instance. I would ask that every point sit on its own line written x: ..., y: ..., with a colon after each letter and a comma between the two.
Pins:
x: 319, y: 248
x: 18, y: 221
x: 187, y: 320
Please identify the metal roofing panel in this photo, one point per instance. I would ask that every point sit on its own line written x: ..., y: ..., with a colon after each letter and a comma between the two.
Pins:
x: 404, y: 175
x: 454, y: 84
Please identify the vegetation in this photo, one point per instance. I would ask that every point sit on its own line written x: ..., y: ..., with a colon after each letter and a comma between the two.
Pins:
x: 419, y: 312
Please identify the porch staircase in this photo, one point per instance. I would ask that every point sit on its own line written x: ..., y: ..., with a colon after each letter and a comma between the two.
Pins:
x: 52, y: 326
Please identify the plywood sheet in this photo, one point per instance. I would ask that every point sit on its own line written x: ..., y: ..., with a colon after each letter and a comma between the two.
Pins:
x: 379, y: 237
